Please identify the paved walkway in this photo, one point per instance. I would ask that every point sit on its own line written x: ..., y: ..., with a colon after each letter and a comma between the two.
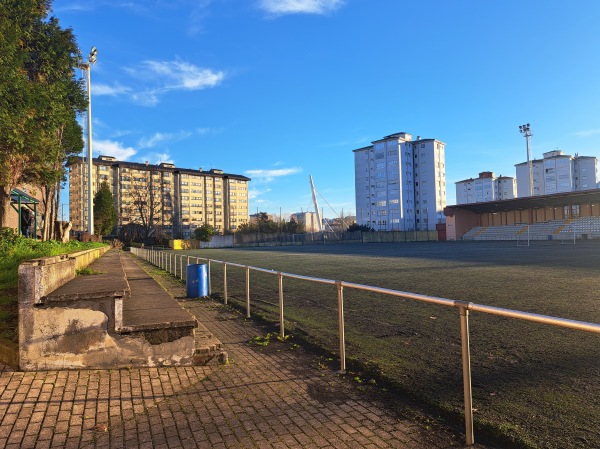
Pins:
x: 274, y: 396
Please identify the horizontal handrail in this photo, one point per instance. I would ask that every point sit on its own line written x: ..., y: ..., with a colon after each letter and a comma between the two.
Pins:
x: 463, y: 306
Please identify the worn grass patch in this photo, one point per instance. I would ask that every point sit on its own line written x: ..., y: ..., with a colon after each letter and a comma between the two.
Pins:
x: 534, y: 385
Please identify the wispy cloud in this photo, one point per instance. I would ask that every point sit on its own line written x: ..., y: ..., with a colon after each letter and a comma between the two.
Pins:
x: 168, y: 76
x: 156, y: 158
x: 113, y: 148
x: 270, y: 175
x: 105, y: 89
x: 282, y: 7
x: 254, y: 193
x: 162, y: 138
x: 182, y: 75
x: 587, y: 133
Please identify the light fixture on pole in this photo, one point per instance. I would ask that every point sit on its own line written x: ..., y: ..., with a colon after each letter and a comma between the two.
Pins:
x: 87, y: 66
x: 526, y: 131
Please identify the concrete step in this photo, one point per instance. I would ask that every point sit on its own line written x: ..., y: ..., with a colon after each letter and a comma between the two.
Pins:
x: 208, y: 349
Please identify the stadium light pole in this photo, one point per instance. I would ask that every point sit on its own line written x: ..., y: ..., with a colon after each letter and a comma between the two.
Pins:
x: 526, y: 131
x: 87, y: 66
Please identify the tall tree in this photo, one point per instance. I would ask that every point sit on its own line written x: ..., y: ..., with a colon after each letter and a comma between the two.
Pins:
x: 39, y: 98
x: 105, y: 215
x: 147, y: 203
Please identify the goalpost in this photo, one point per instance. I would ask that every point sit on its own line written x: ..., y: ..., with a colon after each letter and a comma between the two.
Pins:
x: 566, y: 236
x: 568, y: 233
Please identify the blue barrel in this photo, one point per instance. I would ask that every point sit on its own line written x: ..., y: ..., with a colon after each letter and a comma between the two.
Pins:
x: 196, y: 280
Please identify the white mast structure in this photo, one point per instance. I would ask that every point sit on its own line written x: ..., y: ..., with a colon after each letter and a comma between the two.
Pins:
x: 314, y: 195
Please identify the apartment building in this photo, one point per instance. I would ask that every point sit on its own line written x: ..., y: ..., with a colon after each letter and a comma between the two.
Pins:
x: 400, y: 183
x: 486, y: 187
x: 308, y: 219
x: 557, y: 172
x: 178, y: 200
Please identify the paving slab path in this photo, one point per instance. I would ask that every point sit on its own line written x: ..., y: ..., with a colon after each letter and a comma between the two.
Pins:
x: 275, y: 396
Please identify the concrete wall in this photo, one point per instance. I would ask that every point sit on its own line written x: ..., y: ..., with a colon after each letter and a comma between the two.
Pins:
x: 69, y: 322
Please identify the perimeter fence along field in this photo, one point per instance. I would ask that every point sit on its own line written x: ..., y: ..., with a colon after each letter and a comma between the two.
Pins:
x: 534, y: 384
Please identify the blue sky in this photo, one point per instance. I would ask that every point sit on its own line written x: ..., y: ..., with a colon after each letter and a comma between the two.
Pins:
x: 278, y: 90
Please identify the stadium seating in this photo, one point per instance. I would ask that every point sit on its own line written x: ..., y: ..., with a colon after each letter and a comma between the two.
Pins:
x: 578, y: 228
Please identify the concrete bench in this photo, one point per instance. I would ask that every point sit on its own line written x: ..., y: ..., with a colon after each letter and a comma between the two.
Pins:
x: 119, y: 317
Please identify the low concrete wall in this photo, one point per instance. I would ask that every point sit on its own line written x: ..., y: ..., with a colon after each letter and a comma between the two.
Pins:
x: 73, y: 322
x: 38, y: 277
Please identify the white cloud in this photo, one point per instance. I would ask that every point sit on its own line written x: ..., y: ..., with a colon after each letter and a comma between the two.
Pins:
x: 161, y: 138
x: 183, y: 75
x: 587, y: 133
x: 147, y: 98
x: 156, y: 158
x: 104, y: 89
x: 270, y: 175
x: 253, y: 193
x: 169, y: 76
x: 113, y: 148
x: 281, y: 7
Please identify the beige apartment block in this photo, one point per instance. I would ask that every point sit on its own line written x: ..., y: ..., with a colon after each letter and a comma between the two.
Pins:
x: 178, y: 200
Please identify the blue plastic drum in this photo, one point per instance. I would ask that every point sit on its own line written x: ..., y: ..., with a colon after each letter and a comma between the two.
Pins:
x: 196, y: 280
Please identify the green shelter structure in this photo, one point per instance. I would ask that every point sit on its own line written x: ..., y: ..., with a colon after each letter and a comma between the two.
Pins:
x: 24, y: 204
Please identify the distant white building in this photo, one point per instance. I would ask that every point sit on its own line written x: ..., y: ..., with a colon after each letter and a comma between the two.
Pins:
x: 557, y: 173
x: 400, y: 184
x: 486, y: 187
x: 308, y: 219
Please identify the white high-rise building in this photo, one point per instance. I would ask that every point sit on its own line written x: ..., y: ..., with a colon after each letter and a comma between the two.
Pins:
x: 557, y: 173
x: 400, y: 184
x: 485, y: 188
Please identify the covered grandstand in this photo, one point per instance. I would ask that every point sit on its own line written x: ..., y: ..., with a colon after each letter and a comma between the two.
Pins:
x: 562, y: 216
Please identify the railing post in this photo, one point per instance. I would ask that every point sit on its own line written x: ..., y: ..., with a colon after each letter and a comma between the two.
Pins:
x: 340, y: 293
x: 281, y: 325
x: 208, y: 274
x: 224, y: 283
x: 175, y: 257
x: 466, y: 362
x: 247, y: 292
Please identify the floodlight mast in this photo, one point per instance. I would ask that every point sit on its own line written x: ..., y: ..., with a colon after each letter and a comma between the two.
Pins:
x: 526, y: 131
x: 87, y: 66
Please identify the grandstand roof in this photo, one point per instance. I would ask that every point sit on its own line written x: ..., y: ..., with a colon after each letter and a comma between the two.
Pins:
x: 533, y: 202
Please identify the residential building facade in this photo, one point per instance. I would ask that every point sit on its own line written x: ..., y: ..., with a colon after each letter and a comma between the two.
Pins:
x: 486, y: 187
x: 308, y: 219
x: 557, y: 172
x: 177, y: 200
x: 400, y: 183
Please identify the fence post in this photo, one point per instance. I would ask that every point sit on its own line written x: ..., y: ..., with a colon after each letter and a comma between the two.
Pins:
x: 466, y: 362
x: 247, y: 292
x: 224, y: 283
x: 175, y: 257
x: 281, y: 325
x: 340, y: 294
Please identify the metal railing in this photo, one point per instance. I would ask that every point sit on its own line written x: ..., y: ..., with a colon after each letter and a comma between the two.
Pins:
x: 168, y: 262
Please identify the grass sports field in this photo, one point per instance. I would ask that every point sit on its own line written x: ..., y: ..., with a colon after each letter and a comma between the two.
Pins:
x: 535, y: 385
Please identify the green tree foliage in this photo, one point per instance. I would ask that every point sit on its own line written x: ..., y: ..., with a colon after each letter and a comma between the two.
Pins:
x: 204, y: 233
x: 105, y: 215
x: 293, y: 227
x: 39, y: 100
x: 356, y: 227
x: 266, y: 226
